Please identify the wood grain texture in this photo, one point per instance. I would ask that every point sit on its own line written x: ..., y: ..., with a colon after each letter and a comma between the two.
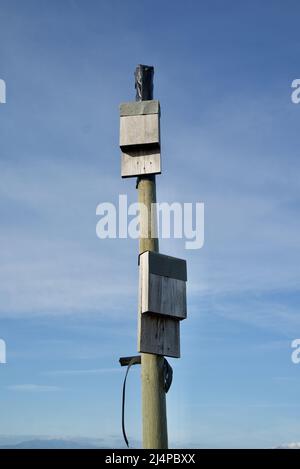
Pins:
x: 155, y: 431
x: 161, y: 295
x: 156, y: 334
x: 159, y: 335
x: 166, y: 296
x: 138, y: 162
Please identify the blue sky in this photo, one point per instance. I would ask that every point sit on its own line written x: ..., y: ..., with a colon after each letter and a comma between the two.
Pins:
x: 223, y: 74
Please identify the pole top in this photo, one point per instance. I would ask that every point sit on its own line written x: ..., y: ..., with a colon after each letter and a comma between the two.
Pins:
x: 144, y: 82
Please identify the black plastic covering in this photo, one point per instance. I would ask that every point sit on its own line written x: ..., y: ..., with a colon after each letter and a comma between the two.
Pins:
x: 144, y: 82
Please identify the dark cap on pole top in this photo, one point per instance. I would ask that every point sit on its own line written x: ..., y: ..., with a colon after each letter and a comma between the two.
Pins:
x: 144, y: 82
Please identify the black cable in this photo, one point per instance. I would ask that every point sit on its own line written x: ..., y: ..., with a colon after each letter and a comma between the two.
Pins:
x: 168, y: 377
x: 133, y: 361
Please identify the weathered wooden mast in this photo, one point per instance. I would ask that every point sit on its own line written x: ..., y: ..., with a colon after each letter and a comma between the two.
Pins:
x: 162, y: 287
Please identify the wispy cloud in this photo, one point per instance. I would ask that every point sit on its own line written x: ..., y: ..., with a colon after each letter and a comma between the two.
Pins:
x: 32, y: 388
x: 93, y: 371
x: 58, y: 265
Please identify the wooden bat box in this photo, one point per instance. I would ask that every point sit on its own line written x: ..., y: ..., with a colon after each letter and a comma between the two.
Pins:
x: 162, y: 303
x: 140, y: 138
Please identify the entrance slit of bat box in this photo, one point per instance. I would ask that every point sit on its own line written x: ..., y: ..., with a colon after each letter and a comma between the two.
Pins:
x: 162, y: 303
x: 140, y: 138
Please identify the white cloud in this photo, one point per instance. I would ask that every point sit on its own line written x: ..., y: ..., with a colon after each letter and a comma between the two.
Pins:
x: 51, y: 260
x: 294, y: 445
x: 92, y: 371
x: 32, y: 388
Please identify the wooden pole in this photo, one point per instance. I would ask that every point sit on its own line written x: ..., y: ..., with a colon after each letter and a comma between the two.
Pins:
x: 154, y: 413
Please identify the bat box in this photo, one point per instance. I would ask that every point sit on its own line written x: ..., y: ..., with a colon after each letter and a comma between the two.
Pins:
x: 140, y: 138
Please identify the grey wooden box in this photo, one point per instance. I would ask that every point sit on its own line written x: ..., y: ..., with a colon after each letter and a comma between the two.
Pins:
x: 162, y: 303
x: 140, y: 138
x: 163, y: 285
